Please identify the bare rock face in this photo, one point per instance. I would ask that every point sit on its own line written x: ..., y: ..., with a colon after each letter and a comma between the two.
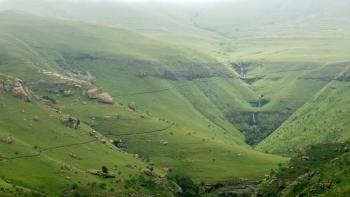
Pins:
x: 20, y: 91
x: 16, y: 87
x: 100, y: 96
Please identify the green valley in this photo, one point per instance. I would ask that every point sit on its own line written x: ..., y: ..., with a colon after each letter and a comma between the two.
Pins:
x: 123, y: 98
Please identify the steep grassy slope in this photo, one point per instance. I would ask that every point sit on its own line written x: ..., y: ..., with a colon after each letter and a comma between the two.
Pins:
x: 322, y: 119
x: 48, y: 158
x: 183, y: 91
x: 278, y: 41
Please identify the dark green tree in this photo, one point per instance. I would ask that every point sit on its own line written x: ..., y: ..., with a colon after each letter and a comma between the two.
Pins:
x: 104, y: 169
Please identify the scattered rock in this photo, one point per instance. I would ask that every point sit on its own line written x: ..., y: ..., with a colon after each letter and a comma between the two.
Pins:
x: 74, y: 156
x: 121, y: 144
x: 100, y: 173
x: 36, y: 118
x: 131, y: 166
x: 71, y: 122
x: 163, y: 142
x: 148, y: 172
x: 132, y: 106
x: 7, y: 140
x: 93, y: 133
x: 68, y: 93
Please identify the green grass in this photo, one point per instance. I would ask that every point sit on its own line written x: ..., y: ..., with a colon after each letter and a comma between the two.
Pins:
x: 322, y: 119
x: 44, y: 173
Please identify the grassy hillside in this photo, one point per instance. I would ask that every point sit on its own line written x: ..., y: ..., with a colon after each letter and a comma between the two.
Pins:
x: 191, y: 90
x: 278, y: 42
x: 322, y: 119
x: 57, y: 157
x: 180, y: 119
x: 321, y: 170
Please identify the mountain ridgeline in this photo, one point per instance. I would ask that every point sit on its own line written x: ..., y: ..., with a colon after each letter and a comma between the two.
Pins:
x: 118, y: 98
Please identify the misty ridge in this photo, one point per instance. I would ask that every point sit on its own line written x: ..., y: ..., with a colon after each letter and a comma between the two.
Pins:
x: 221, y: 15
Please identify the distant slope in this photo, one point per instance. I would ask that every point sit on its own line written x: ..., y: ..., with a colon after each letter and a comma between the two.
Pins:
x: 322, y: 119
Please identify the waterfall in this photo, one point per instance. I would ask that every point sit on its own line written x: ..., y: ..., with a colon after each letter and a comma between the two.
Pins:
x: 253, y: 118
x: 242, y: 72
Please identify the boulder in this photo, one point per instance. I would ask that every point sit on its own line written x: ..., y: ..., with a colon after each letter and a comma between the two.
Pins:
x: 148, y: 172
x: 121, y: 144
x: 71, y: 122
x: 163, y: 142
x: 36, y: 118
x: 131, y: 166
x: 100, y: 173
x: 7, y: 140
x: 100, y: 96
x: 132, y: 106
x: 67, y: 93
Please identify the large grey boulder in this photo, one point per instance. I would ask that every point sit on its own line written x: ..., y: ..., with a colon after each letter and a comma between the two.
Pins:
x: 99, y: 95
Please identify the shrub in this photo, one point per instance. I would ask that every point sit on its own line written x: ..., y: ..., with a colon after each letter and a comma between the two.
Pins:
x: 189, y: 188
x: 104, y: 169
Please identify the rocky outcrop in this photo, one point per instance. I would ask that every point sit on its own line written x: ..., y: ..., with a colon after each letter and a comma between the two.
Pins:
x: 20, y: 91
x: 99, y: 95
x: 16, y: 87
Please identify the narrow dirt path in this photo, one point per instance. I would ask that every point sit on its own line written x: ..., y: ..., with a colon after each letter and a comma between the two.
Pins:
x: 45, y: 150
x: 142, y: 133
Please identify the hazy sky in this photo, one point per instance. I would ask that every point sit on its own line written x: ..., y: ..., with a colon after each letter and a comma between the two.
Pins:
x: 172, y: 1
x: 163, y: 1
